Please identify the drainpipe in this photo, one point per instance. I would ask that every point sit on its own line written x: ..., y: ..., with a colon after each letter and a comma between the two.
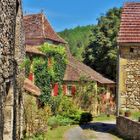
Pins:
x: 118, y: 82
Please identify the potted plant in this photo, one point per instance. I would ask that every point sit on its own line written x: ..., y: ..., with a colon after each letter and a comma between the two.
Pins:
x: 127, y: 113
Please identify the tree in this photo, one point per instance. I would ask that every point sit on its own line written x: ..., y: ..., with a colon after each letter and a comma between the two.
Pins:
x: 78, y: 39
x: 101, y: 53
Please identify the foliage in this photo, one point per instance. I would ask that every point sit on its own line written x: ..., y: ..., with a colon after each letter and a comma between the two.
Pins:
x: 78, y: 39
x: 85, y: 117
x: 35, y: 119
x: 101, y: 53
x: 51, y: 134
x: 46, y: 75
x: 96, y: 45
x: 63, y: 106
x: 86, y: 96
x: 58, y: 120
x: 135, y: 115
x: 25, y: 64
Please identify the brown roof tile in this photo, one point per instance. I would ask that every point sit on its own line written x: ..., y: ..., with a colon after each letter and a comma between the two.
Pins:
x: 33, y: 49
x: 130, y: 23
x: 38, y: 30
x: 30, y: 87
x: 76, y: 69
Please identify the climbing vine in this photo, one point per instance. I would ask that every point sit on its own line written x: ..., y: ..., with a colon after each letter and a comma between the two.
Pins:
x: 49, y: 69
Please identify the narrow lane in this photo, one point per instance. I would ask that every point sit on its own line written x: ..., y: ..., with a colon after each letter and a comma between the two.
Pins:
x: 98, y: 129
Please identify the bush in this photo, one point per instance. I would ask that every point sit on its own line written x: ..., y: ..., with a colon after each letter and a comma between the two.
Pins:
x: 36, y: 137
x: 85, y: 117
x: 58, y: 120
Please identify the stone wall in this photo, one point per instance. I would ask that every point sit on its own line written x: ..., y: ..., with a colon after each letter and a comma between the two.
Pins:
x: 11, y: 48
x: 130, y: 77
x: 128, y: 128
x: 19, y: 73
x: 7, y: 37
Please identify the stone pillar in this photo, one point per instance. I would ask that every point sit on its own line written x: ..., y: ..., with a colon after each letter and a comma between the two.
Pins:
x: 12, y: 54
x: 19, y: 72
x: 7, y: 41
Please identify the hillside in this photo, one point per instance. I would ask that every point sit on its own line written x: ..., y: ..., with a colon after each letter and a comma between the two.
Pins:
x: 78, y: 38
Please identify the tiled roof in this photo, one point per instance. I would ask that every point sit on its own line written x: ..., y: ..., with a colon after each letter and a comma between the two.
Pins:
x: 130, y: 23
x: 33, y: 49
x: 38, y: 30
x: 75, y: 69
x: 31, y: 88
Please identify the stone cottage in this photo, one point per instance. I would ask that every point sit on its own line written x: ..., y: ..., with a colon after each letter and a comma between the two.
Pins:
x: 12, y: 53
x: 12, y: 80
x: 38, y: 31
x: 129, y: 58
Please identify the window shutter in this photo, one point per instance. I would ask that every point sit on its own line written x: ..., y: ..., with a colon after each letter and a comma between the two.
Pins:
x: 55, y: 89
x: 73, y: 89
x: 31, y: 76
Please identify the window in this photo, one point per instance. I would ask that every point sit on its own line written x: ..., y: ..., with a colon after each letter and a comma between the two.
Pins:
x: 69, y: 90
x: 131, y: 50
x: 17, y: 6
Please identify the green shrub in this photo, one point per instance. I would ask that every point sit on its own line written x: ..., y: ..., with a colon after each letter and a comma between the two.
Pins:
x: 85, y: 117
x: 36, y: 137
x: 58, y: 120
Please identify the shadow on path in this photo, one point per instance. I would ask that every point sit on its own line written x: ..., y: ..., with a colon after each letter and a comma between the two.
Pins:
x: 100, y: 131
x: 99, y: 127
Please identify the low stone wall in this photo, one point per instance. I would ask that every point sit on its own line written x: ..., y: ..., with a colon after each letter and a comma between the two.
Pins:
x: 128, y: 128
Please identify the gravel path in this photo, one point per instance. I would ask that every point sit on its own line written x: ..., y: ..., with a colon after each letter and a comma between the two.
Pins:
x: 75, y: 133
x: 99, y: 130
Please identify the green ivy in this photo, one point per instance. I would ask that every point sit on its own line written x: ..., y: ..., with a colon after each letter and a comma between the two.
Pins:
x: 46, y: 76
x: 25, y: 64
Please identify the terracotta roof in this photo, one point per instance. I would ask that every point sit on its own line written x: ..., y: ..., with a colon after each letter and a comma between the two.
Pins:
x: 76, y: 69
x: 38, y: 30
x: 33, y: 49
x: 30, y: 87
x: 130, y: 23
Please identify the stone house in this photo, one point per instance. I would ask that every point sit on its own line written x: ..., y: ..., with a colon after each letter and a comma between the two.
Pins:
x: 128, y: 90
x: 12, y: 53
x: 38, y: 31
x: 12, y: 79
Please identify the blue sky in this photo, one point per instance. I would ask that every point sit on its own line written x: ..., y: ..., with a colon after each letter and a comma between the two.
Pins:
x: 70, y: 13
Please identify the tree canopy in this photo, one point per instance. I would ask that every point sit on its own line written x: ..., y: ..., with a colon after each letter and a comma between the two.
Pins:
x: 101, y: 53
x: 96, y: 45
x: 78, y: 39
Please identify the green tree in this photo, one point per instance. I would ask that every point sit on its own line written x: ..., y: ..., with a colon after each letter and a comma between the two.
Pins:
x: 78, y: 39
x: 101, y: 53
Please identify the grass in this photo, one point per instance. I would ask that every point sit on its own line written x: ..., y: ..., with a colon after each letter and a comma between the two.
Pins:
x: 52, y: 134
x: 135, y: 115
x: 57, y: 133
x: 104, y: 117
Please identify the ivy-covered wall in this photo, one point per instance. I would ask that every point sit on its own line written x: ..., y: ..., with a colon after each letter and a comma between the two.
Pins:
x: 48, y: 70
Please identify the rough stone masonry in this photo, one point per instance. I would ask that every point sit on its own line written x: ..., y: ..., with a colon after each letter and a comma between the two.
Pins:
x: 12, y: 54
